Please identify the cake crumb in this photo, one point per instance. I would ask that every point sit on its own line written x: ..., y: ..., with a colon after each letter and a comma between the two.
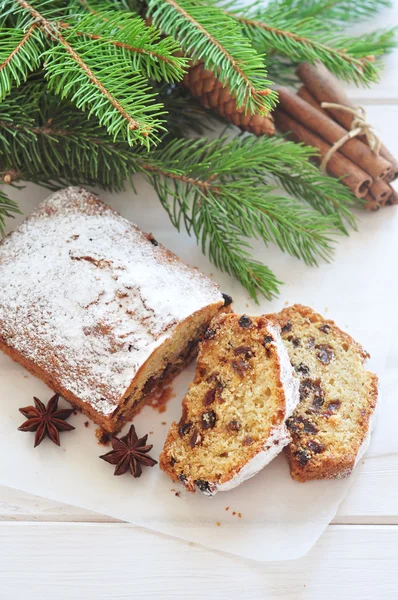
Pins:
x: 178, y: 494
x: 151, y: 432
x: 218, y: 523
x: 234, y: 513
x: 103, y: 436
x: 240, y: 515
x: 164, y: 423
x: 26, y: 376
x: 227, y: 508
x: 247, y: 306
x: 86, y: 424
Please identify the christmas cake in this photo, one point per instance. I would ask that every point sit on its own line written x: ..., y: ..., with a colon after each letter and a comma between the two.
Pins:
x: 233, y: 418
x: 331, y: 426
x: 98, y: 309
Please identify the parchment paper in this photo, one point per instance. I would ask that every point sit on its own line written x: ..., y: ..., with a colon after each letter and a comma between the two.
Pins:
x: 280, y: 519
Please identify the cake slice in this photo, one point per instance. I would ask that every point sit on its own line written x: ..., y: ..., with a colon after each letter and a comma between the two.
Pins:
x: 331, y: 426
x: 233, y: 418
x: 98, y: 309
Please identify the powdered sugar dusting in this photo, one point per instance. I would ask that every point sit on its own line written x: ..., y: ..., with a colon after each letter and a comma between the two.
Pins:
x: 88, y: 297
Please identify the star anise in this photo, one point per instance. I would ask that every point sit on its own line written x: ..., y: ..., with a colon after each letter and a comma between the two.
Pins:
x: 46, y: 420
x: 129, y: 453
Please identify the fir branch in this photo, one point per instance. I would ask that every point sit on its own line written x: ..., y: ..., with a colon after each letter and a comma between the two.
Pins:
x: 141, y: 45
x: 289, y: 163
x: 337, y: 11
x: 230, y: 252
x: 196, y: 181
x: 8, y: 208
x: 308, y: 39
x: 229, y: 178
x: 20, y: 54
x: 120, y: 98
x: 207, y: 33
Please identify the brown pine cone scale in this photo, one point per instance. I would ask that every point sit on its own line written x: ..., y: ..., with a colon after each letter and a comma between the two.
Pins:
x: 204, y: 86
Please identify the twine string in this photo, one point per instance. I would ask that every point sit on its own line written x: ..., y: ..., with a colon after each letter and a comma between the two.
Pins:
x: 359, y: 126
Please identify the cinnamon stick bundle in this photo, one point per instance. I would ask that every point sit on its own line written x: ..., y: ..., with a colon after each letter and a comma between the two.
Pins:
x: 321, y: 84
x: 338, y: 165
x: 355, y: 150
x: 379, y: 191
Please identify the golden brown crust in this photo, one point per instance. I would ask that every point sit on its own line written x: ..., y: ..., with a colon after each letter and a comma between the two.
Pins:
x: 338, y: 396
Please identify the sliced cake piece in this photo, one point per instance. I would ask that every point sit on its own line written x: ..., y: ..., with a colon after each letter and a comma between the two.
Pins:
x: 98, y: 309
x: 233, y: 419
x: 331, y: 425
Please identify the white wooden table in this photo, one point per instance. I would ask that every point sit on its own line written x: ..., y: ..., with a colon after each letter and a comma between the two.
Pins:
x: 50, y: 551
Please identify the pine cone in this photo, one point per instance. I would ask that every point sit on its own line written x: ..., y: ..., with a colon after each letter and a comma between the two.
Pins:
x: 204, y: 86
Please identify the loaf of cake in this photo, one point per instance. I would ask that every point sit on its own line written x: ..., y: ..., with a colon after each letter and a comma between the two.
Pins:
x: 98, y: 309
x: 331, y: 426
x: 233, y: 417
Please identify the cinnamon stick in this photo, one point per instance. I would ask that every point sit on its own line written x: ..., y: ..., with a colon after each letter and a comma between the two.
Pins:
x: 321, y: 84
x: 338, y: 166
x: 380, y: 191
x: 355, y: 150
x: 393, y: 199
x: 308, y: 97
x: 371, y: 204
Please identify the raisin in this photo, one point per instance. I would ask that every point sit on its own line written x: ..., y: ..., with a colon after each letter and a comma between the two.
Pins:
x: 301, y: 425
x: 287, y: 327
x: 244, y: 321
x: 196, y: 439
x: 224, y: 455
x: 315, y: 447
x: 182, y: 477
x: 234, y: 425
x: 240, y: 366
x: 153, y: 241
x: 325, y: 353
x: 130, y: 347
x: 332, y: 408
x: 209, y: 397
x: 305, y: 388
x: 302, y: 368
x: 310, y: 386
x: 172, y: 461
x: 302, y: 456
x: 296, y: 342
x: 216, y: 377
x: 208, y: 419
x: 268, y: 340
x: 317, y: 402
x: 325, y: 328
x: 246, y: 350
x: 210, y: 333
x: 311, y: 343
x: 248, y: 441
x: 203, y: 486
x: 184, y: 428
x: 227, y: 299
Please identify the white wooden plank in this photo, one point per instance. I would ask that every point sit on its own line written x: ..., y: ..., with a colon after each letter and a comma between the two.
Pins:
x: 367, y: 501
x: 100, y: 561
